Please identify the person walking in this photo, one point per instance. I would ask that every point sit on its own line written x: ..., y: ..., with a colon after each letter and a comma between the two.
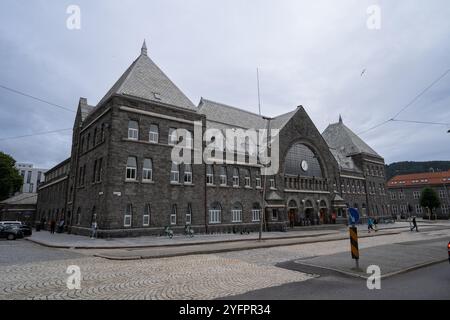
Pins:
x: 94, y: 230
x: 369, y: 224
x: 414, y: 225
x: 52, y: 226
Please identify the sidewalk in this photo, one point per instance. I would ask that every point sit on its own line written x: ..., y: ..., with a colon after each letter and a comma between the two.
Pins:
x: 392, y: 259
x: 158, y: 247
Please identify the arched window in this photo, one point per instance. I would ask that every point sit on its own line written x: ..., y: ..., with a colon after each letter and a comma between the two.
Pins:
x: 189, y: 214
x: 223, y: 176
x: 153, y: 135
x: 146, y: 216
x: 256, y: 212
x: 236, y: 212
x: 131, y: 173
x: 128, y: 215
x: 235, y: 177
x: 302, y: 161
x: 187, y: 174
x: 147, y: 170
x: 88, y: 141
x: 175, y: 173
x: 173, y: 215
x: 292, y: 205
x: 173, y: 137
x: 209, y: 175
x: 215, y: 213
x: 133, y: 130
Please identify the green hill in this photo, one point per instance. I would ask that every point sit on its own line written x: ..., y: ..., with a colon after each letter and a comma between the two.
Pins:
x: 406, y: 167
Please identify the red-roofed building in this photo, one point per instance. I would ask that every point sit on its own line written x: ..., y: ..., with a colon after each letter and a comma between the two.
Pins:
x: 405, y: 191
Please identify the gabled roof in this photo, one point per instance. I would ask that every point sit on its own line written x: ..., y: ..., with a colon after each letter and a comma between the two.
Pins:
x: 222, y: 116
x: 420, y: 179
x: 145, y: 80
x: 338, y: 136
x: 22, y: 198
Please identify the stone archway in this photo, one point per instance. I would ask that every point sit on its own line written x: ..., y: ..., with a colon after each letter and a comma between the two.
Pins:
x: 309, y: 215
x: 324, y: 214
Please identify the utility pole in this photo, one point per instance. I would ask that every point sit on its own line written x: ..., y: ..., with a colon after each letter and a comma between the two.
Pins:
x: 263, y: 212
x: 259, y: 94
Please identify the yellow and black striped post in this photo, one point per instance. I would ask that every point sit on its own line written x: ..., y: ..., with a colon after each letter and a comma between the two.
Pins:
x: 354, y: 244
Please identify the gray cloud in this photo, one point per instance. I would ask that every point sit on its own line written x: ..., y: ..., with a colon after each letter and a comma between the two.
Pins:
x: 310, y: 53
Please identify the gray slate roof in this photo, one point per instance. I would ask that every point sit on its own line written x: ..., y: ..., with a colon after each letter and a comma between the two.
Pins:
x: 339, y: 137
x: 21, y: 199
x: 144, y: 79
x: 222, y: 116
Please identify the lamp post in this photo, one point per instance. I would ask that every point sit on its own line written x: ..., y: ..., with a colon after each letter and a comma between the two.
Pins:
x: 263, y: 211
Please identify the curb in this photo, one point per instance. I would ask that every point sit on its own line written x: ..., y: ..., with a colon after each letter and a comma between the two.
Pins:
x: 388, y: 275
x: 213, y: 251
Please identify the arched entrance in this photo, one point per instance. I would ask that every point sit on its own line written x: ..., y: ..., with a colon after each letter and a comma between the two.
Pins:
x: 293, y: 215
x: 323, y: 213
x: 310, y: 218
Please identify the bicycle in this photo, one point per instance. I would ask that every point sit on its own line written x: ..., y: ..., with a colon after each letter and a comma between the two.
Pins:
x: 188, y: 231
x: 168, y: 232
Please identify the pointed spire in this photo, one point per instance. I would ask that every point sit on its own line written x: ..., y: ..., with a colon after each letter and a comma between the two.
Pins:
x: 144, y: 49
x: 340, y: 119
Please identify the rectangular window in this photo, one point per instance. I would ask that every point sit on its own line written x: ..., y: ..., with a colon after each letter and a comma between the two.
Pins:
x: 256, y: 213
x: 442, y: 194
x: 258, y: 183
x: 147, y: 171
x: 235, y: 181
x: 173, y: 216
x: 274, y: 214
x: 133, y: 130
x: 175, y: 173
x: 188, y: 174
x: 127, y: 217
x: 154, y: 133
x: 189, y: 214
x: 272, y: 183
x: 247, y: 182
x: 210, y: 179
x: 146, y: 217
x: 416, y: 195
x: 214, y: 216
x: 223, y: 180
x: 444, y: 208
x: 131, y: 169
x: 236, y: 215
x: 173, y: 138
x: 419, y: 209
x: 29, y: 176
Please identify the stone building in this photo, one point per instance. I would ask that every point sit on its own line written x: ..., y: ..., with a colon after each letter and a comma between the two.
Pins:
x: 405, y: 192
x: 122, y: 175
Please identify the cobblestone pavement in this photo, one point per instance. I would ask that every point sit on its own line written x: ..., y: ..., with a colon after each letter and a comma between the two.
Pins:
x: 188, y: 277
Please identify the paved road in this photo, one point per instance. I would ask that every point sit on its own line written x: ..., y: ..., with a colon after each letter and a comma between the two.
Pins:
x: 30, y: 271
x: 431, y: 283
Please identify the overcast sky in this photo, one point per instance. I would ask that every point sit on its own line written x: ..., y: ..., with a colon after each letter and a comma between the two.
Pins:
x: 310, y: 53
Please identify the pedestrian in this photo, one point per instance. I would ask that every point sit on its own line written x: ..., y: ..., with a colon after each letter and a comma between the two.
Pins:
x: 94, y: 230
x: 291, y: 219
x: 52, y: 226
x: 414, y: 225
x: 375, y: 223
x: 369, y: 224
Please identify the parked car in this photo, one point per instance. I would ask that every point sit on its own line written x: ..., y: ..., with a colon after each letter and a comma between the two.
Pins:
x: 26, y: 230
x: 448, y: 247
x: 10, y: 232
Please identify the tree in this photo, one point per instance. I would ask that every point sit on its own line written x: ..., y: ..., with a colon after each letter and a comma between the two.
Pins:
x: 10, y: 179
x: 429, y: 199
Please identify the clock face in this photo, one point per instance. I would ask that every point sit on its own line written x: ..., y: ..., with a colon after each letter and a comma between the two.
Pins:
x: 304, y: 165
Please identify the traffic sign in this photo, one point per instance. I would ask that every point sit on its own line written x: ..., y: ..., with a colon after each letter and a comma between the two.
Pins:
x: 354, y: 215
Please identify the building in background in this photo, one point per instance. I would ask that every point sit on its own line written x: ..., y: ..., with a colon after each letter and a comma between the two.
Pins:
x: 405, y: 192
x: 32, y: 177
x: 21, y: 207
x: 121, y: 175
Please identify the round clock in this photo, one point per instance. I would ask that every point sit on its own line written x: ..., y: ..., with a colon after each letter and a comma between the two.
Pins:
x: 304, y: 165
